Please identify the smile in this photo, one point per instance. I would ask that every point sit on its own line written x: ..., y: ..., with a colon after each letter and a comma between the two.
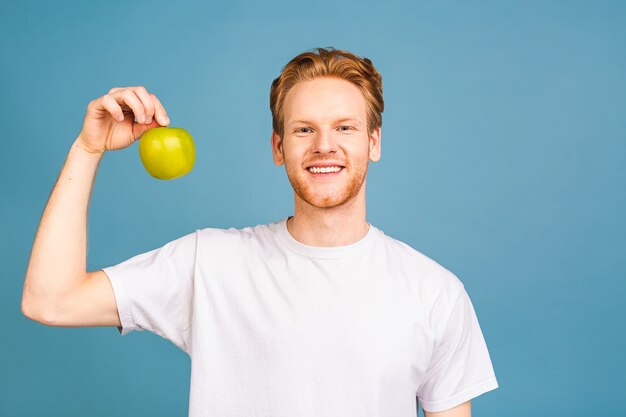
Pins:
x: 324, y: 170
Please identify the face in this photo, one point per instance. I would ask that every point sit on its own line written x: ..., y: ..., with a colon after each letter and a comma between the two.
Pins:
x: 326, y: 146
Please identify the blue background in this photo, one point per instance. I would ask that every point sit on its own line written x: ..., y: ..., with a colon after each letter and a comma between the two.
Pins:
x: 504, y: 159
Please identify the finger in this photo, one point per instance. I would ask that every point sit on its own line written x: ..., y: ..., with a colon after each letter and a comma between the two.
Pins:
x: 147, y: 102
x: 127, y: 98
x: 159, y: 111
x: 114, y: 89
x: 112, y: 107
x: 139, y: 129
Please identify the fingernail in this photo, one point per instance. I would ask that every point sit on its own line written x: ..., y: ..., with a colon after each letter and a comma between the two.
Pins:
x: 149, y: 120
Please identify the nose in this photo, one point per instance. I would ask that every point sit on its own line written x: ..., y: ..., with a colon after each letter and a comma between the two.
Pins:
x: 324, y: 142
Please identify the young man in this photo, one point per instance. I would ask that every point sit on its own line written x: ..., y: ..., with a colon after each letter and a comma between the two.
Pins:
x: 319, y: 314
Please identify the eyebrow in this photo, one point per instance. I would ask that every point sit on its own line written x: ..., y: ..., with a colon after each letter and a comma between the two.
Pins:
x: 343, y: 119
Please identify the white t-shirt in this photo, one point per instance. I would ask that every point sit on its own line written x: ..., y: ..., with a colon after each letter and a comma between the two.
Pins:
x: 276, y: 328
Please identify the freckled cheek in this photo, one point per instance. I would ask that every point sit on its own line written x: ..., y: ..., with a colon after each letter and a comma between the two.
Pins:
x: 293, y: 155
x: 292, y: 164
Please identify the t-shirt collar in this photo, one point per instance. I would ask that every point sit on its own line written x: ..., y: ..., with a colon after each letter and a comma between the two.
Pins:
x: 324, y: 251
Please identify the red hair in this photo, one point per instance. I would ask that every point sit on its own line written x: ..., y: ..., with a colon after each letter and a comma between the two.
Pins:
x: 329, y: 62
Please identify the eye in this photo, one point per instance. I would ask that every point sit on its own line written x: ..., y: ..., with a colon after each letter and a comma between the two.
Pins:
x: 346, y: 128
x: 302, y: 130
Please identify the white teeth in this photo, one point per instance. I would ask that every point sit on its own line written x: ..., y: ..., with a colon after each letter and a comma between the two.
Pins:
x: 324, y: 170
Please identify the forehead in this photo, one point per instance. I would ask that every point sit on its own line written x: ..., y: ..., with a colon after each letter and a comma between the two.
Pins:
x: 324, y: 99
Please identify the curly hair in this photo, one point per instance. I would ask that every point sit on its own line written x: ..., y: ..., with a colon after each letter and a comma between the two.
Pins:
x: 329, y: 62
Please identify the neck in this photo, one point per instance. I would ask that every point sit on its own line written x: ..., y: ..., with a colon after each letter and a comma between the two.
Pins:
x: 327, y: 227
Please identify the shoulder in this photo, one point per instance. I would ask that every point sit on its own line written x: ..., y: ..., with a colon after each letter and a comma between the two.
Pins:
x: 433, y: 288
x: 414, y: 260
x: 225, y: 237
x: 431, y: 280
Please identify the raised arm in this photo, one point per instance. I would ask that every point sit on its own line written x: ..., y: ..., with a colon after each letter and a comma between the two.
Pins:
x: 58, y: 290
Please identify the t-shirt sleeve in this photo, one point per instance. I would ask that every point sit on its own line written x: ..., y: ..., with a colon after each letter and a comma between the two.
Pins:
x: 460, y: 367
x: 154, y: 290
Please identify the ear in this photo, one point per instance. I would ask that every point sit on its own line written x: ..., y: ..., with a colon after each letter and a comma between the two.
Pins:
x: 277, y: 149
x: 374, y: 145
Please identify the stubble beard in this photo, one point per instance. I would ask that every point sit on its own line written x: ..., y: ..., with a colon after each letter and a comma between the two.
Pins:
x: 305, y: 190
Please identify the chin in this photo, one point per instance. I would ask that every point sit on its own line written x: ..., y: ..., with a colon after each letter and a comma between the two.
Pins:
x: 326, y: 200
x: 327, y: 196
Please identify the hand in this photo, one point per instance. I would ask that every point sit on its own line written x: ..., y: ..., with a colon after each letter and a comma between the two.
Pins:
x: 117, y: 119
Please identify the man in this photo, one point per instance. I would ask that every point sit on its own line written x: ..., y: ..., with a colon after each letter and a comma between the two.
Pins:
x: 319, y: 314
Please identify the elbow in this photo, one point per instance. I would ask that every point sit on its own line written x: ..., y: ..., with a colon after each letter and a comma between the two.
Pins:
x: 35, y: 313
x: 28, y: 311
x: 28, y: 305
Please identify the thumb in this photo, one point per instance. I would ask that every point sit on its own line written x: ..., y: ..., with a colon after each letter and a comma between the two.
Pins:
x: 139, y: 129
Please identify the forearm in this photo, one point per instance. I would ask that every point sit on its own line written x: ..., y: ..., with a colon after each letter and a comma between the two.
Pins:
x: 59, y: 255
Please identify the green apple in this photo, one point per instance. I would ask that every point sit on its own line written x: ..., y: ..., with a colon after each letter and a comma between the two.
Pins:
x: 167, y: 152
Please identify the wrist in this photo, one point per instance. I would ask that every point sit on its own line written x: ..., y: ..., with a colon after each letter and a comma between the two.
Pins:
x: 80, y: 147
